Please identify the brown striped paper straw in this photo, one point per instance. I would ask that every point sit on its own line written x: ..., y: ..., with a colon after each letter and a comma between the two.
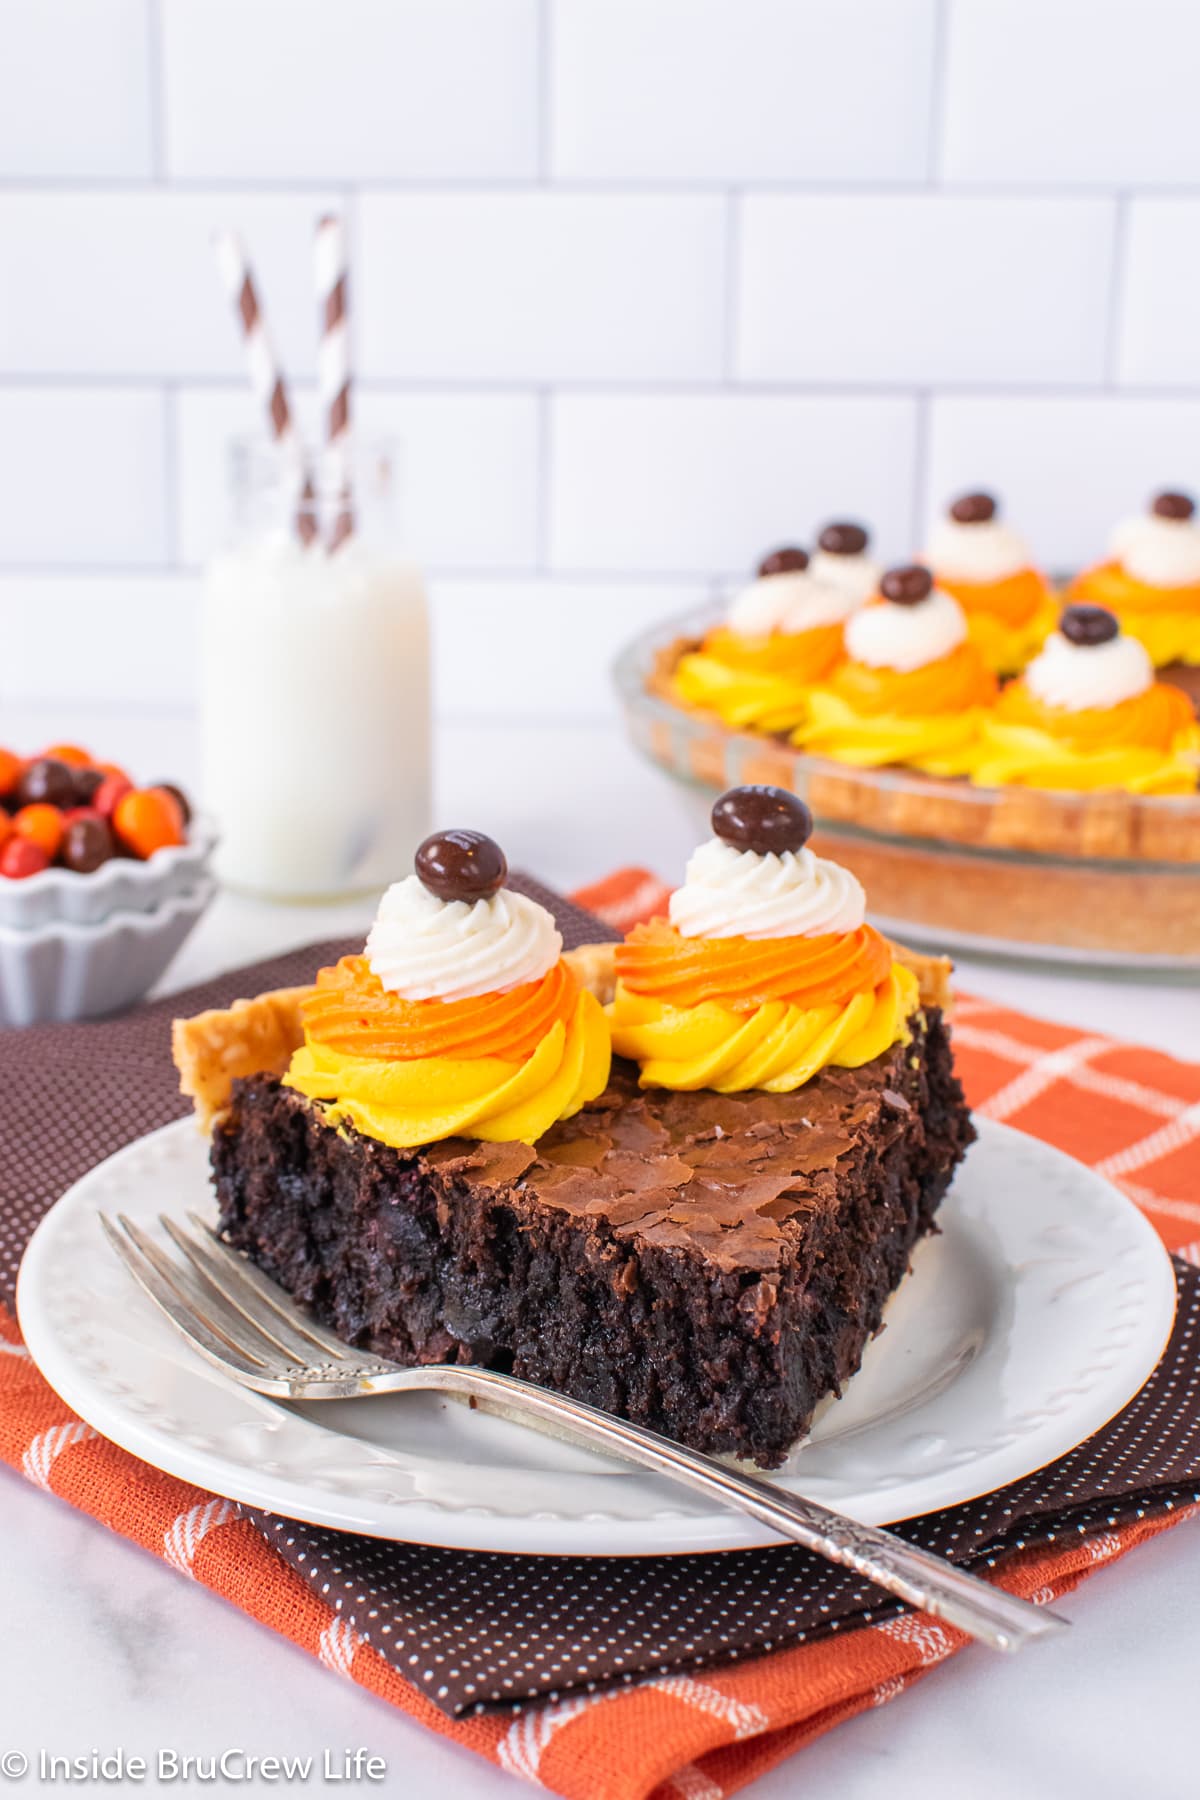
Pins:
x: 266, y: 377
x: 333, y: 367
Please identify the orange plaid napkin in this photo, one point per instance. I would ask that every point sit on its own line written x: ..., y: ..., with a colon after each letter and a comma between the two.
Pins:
x: 678, y: 1737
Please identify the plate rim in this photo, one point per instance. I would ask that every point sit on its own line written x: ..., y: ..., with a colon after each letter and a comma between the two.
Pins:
x: 584, y: 1534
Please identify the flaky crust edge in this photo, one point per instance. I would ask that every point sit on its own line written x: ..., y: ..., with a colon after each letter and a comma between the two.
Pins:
x: 214, y: 1049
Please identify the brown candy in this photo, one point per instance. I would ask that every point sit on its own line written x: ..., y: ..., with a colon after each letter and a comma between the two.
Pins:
x: 86, y: 844
x: 787, y: 561
x: 764, y: 819
x: 180, y: 798
x: 86, y: 782
x: 907, y: 586
x: 973, y: 509
x: 843, y: 539
x: 461, y: 865
x: 1172, y: 506
x: 1088, y: 625
x: 46, y: 781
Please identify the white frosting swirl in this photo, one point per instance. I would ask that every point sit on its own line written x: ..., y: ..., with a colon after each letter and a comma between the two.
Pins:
x: 739, y: 893
x: 790, y: 602
x: 1161, y: 552
x: 985, y: 551
x: 856, y: 576
x: 1077, y: 677
x: 423, y: 948
x: 888, y: 636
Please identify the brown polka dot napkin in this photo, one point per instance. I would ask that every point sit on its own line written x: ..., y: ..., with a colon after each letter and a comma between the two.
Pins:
x: 476, y: 1631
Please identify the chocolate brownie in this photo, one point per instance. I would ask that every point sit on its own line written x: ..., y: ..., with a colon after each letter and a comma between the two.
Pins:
x: 708, y: 1265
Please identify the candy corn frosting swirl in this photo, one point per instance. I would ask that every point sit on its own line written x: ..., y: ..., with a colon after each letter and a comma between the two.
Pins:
x: 913, y: 688
x: 1089, y: 714
x: 765, y: 971
x: 1008, y: 604
x: 782, y: 633
x: 460, y: 1019
x: 1151, y: 580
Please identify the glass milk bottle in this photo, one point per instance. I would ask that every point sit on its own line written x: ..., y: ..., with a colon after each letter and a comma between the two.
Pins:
x: 314, y: 683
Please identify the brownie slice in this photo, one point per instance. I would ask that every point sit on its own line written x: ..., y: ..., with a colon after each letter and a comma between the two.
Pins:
x: 708, y: 1265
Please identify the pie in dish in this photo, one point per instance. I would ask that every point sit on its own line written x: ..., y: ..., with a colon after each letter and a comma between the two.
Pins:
x: 782, y: 633
x: 701, y: 1237
x: 1009, y: 605
x: 1151, y: 579
x: 1088, y: 714
x: 911, y: 689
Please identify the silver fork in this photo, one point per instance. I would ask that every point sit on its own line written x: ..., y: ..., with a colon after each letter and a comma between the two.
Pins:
x: 241, y: 1321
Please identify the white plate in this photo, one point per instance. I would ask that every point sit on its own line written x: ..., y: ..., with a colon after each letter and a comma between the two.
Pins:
x: 1036, y: 1314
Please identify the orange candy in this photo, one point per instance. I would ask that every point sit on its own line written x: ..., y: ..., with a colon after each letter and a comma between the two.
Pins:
x: 72, y: 755
x: 148, y: 819
x: 10, y: 771
x: 351, y: 1011
x: 803, y: 655
x: 743, y: 973
x: 42, y: 825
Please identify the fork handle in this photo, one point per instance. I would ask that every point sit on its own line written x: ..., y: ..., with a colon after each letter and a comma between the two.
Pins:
x: 926, y: 1581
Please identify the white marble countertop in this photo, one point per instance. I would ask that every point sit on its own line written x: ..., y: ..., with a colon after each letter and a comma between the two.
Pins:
x: 106, y: 1648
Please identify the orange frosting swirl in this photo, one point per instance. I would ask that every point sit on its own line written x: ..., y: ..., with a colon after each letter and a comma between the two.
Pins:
x: 350, y: 1011
x: 1110, y: 584
x: 804, y: 655
x: 745, y: 973
x: 1152, y: 720
x: 1014, y: 600
x: 951, y: 684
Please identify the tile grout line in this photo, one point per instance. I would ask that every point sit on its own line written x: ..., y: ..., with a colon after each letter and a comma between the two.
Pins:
x: 935, y: 150
x: 545, y: 477
x: 920, y: 487
x: 170, y: 473
x: 620, y: 388
x: 156, y: 91
x: 732, y: 295
x: 545, y: 98
x: 1115, y: 319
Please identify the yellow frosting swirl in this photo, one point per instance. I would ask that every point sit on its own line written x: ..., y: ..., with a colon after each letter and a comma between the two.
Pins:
x: 1007, y: 647
x: 934, y: 743
x: 406, y: 1103
x: 1025, y: 756
x: 778, y: 1046
x: 1168, y: 636
x: 757, y: 682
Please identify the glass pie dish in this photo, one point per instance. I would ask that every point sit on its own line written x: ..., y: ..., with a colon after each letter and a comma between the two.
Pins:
x: 1103, y: 877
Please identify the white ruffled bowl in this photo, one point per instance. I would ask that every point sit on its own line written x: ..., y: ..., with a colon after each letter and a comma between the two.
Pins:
x: 121, y: 885
x: 63, y: 970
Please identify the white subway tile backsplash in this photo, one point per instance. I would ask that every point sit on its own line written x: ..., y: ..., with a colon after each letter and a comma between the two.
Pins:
x: 707, y: 483
x: 468, y: 470
x: 75, y: 91
x: 130, y: 639
x: 1066, y: 469
x: 81, y: 477
x: 126, y: 283
x: 741, y: 90
x: 1160, y: 343
x: 541, y: 287
x: 568, y: 634
x: 923, y: 288
x: 367, y: 90
x: 1073, y: 92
